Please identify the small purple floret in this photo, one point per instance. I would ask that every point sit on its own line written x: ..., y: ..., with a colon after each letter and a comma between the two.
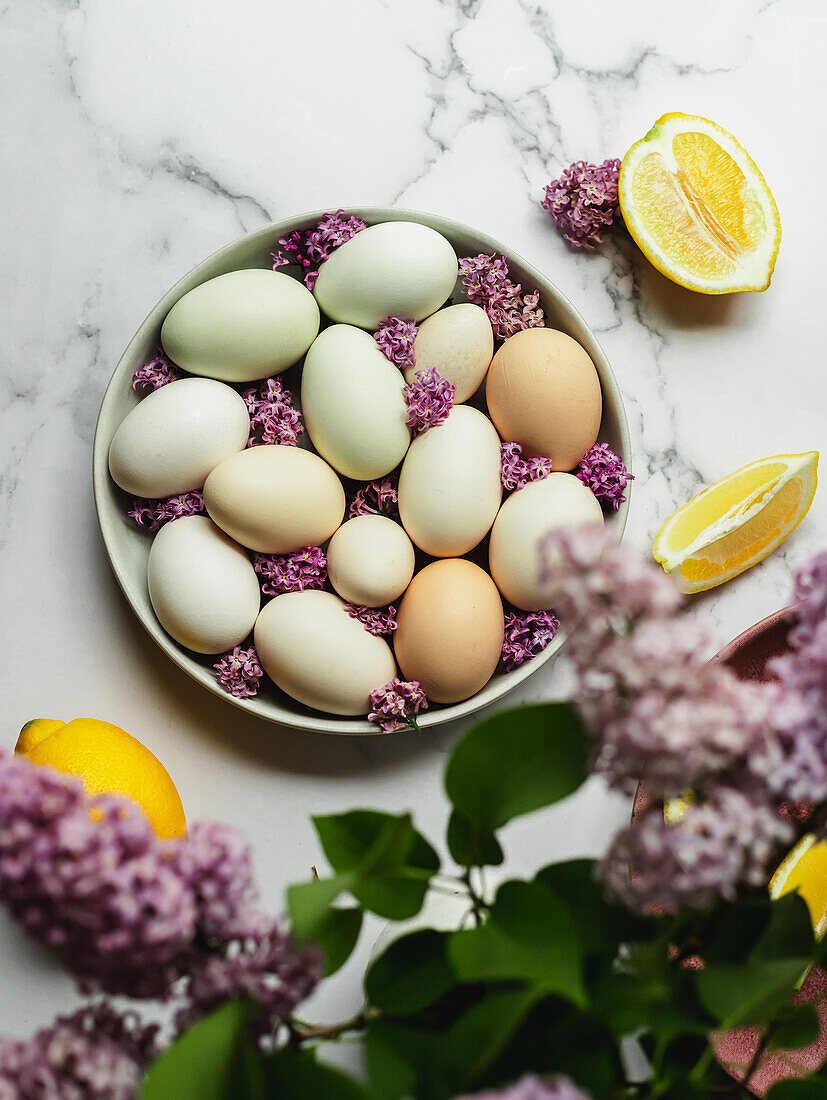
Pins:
x: 303, y: 569
x: 395, y: 338
x: 430, y: 398
x: 396, y: 705
x: 272, y: 416
x: 155, y: 513
x: 309, y: 248
x: 583, y: 201
x: 377, y: 498
x: 486, y: 283
x: 605, y: 474
x: 374, y: 619
x: 239, y: 672
x: 527, y: 633
x: 517, y: 471
x: 156, y: 373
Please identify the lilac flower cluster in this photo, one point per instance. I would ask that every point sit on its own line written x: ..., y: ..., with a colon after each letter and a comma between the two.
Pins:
x: 395, y: 338
x: 486, y: 283
x: 397, y: 704
x: 239, y: 672
x: 156, y: 373
x: 376, y: 498
x: 272, y: 416
x: 515, y: 471
x: 430, y: 398
x: 303, y: 569
x: 374, y: 619
x: 534, y: 1088
x: 153, y: 514
x: 605, y: 474
x: 309, y: 248
x: 583, y: 201
x: 527, y: 633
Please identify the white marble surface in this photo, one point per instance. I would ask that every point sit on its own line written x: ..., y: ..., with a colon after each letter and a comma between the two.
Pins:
x: 140, y: 135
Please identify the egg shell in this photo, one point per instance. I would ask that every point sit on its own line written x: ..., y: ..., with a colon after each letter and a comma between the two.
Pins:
x: 459, y: 342
x: 529, y: 514
x: 393, y: 269
x: 353, y: 404
x: 315, y: 652
x: 449, y: 485
x: 370, y: 561
x: 450, y: 630
x: 202, y: 585
x: 170, y: 441
x: 241, y: 326
x: 543, y: 392
x: 275, y: 499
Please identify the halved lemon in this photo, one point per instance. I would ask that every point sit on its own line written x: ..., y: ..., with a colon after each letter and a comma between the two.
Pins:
x: 804, y: 869
x: 698, y: 207
x: 736, y: 522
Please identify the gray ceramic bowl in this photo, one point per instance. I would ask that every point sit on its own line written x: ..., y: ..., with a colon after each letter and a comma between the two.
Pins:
x: 128, y: 546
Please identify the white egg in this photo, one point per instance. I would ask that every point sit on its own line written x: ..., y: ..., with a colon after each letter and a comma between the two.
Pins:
x: 353, y: 404
x: 241, y: 326
x: 275, y: 499
x: 459, y: 342
x: 170, y: 441
x: 370, y: 561
x: 394, y: 269
x: 449, y: 486
x: 514, y: 555
x: 315, y: 652
x: 202, y: 585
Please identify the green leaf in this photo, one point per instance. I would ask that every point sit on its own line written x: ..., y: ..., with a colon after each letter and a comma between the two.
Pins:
x: 799, y: 1028
x: 298, y: 1074
x: 405, y: 1059
x: 748, y: 993
x: 412, y: 973
x: 789, y: 932
x: 308, y: 904
x: 545, y: 748
x: 471, y: 846
x: 337, y: 933
x: 480, y: 1035
x: 808, y: 1089
x: 214, y: 1060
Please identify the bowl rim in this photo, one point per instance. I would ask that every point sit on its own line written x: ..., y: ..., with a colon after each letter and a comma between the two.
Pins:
x: 274, y: 711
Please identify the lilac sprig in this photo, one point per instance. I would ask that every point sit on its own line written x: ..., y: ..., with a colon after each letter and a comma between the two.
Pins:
x: 272, y: 416
x: 397, y: 704
x: 583, y: 201
x: 153, y: 514
x: 296, y: 572
x: 486, y: 283
x: 309, y: 248
x: 239, y: 672
x: 395, y: 338
x: 430, y: 399
x: 374, y: 619
x: 515, y: 471
x: 527, y: 633
x: 158, y: 372
x: 376, y: 498
x: 605, y: 474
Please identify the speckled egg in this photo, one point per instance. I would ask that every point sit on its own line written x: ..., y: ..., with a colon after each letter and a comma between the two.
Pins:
x: 370, y: 561
x: 459, y: 342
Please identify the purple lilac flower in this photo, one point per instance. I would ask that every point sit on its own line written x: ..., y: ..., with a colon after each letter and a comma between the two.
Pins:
x: 155, y: 513
x: 534, y: 1088
x: 374, y: 619
x: 516, y: 471
x: 605, y: 474
x: 583, y: 201
x: 95, y: 1053
x: 527, y: 633
x: 272, y: 416
x: 430, y: 398
x: 156, y: 373
x: 376, y: 498
x: 486, y: 283
x: 395, y: 338
x: 305, y: 568
x: 309, y: 248
x: 239, y: 672
x: 396, y: 705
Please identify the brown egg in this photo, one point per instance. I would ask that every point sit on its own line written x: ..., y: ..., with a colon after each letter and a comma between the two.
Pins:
x: 543, y: 392
x: 450, y: 630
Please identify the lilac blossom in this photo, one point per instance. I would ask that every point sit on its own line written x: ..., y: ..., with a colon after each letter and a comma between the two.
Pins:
x: 531, y: 1087
x: 374, y: 619
x: 486, y: 283
x: 605, y: 474
x: 430, y: 399
x: 515, y: 471
x: 395, y: 338
x: 158, y: 372
x: 397, y: 704
x: 583, y: 201
x: 153, y: 514
x: 527, y: 633
x: 376, y: 498
x: 296, y: 572
x: 309, y: 248
x: 272, y: 416
x: 239, y: 672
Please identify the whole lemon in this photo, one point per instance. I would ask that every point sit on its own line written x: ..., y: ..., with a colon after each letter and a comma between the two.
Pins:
x: 107, y: 760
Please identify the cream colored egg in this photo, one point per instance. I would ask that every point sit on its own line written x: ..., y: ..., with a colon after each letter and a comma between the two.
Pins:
x: 459, y: 342
x: 202, y: 585
x: 449, y: 485
x: 515, y: 550
x: 370, y: 561
x: 450, y: 630
x: 353, y: 405
x: 275, y: 499
x: 393, y: 269
x: 241, y: 326
x: 170, y: 441
x: 315, y: 652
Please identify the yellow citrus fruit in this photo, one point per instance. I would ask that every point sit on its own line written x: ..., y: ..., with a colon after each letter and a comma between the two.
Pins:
x: 698, y: 207
x: 805, y: 869
x: 738, y: 521
x: 109, y: 761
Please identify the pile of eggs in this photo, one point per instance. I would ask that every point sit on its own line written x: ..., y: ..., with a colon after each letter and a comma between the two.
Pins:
x: 540, y: 390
